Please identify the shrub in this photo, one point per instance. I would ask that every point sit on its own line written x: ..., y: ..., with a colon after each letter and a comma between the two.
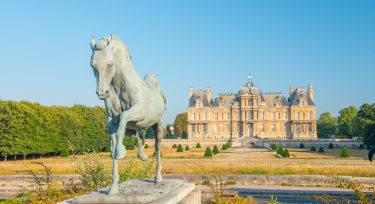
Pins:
x: 280, y: 151
x: 198, y: 145
x: 273, y: 146
x: 215, y: 150
x: 313, y: 149
x: 224, y: 147
x: 187, y: 148
x: 301, y: 146
x: 138, y: 170
x: 154, y: 155
x: 229, y: 145
x: 331, y: 146
x: 285, y: 153
x: 361, y: 146
x: 179, y: 148
x: 345, y: 152
x: 146, y: 146
x: 64, y: 153
x: 208, y: 152
x: 174, y: 146
x: 321, y: 150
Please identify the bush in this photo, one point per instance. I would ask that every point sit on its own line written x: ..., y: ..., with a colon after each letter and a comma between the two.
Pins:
x: 321, y: 150
x: 198, y: 145
x: 331, y: 146
x: 215, y: 150
x: 285, y: 153
x: 361, y: 146
x: 154, y: 155
x: 64, y: 153
x: 146, y: 146
x: 345, y: 152
x: 273, y: 146
x: 301, y: 146
x: 138, y: 170
x: 174, y: 146
x: 280, y: 151
x: 313, y: 149
x: 224, y: 147
x: 187, y: 148
x: 93, y: 173
x: 179, y: 148
x: 208, y: 152
x: 229, y: 145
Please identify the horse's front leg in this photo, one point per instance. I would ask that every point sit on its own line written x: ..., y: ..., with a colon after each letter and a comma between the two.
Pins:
x: 133, y: 114
x: 113, y: 127
x: 141, y: 155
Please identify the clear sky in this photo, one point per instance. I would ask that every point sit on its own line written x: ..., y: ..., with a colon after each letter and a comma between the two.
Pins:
x: 45, y: 52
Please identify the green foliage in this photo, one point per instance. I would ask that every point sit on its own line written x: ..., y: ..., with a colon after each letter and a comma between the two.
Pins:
x: 361, y: 123
x: 285, y: 153
x: 326, y: 125
x: 174, y: 146
x: 31, y: 129
x: 146, y: 146
x: 64, y: 153
x: 370, y: 135
x: 331, y: 146
x: 313, y: 149
x: 181, y: 124
x: 198, y: 145
x: 273, y: 146
x: 229, y: 145
x: 130, y: 142
x: 345, y: 152
x: 138, y: 170
x: 321, y: 150
x: 179, y: 148
x: 280, y: 151
x: 215, y: 150
x: 187, y: 148
x: 345, y: 119
x: 208, y: 152
x: 301, y: 146
x: 224, y: 147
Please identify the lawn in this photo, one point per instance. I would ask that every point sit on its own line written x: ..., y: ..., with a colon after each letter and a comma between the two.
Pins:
x: 232, y: 161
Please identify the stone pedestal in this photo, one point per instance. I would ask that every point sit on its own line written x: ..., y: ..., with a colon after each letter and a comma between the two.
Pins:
x: 170, y: 191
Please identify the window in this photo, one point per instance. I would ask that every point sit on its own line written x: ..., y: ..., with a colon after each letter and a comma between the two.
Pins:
x: 272, y: 116
x: 199, y: 116
x: 193, y: 128
x: 298, y: 129
x: 310, y: 115
x: 205, y: 128
x: 284, y: 115
x: 216, y: 116
x: 303, y: 115
x: 238, y: 128
x: 228, y: 116
x: 261, y: 115
x: 262, y: 127
x: 273, y: 128
x: 250, y: 115
x: 310, y: 128
x: 250, y: 102
x: 204, y: 116
x: 192, y: 116
x: 228, y: 128
x: 296, y: 116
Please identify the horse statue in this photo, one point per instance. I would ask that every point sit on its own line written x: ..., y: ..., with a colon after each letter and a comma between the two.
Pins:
x: 132, y: 104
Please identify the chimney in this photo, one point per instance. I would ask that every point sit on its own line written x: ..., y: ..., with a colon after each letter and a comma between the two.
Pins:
x: 209, y: 94
x: 311, y: 91
x: 191, y: 92
x: 291, y: 89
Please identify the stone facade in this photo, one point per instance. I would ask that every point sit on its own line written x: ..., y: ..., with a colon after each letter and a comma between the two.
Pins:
x: 251, y: 113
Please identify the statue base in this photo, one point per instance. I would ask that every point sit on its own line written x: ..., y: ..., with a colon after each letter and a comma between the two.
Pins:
x: 170, y: 191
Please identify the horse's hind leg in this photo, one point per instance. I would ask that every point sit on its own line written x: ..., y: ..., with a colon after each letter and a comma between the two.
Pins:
x: 141, y: 155
x: 158, y: 129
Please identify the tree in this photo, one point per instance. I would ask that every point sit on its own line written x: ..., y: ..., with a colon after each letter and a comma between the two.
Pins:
x: 370, y: 135
x: 184, y: 135
x: 331, y: 146
x: 179, y: 148
x: 345, y: 152
x: 273, y: 146
x: 313, y: 149
x: 326, y: 125
x: 146, y: 146
x: 224, y: 147
x: 285, y: 153
x: 174, y: 146
x: 321, y: 150
x: 215, y: 150
x: 64, y: 153
x: 364, y: 119
x: 208, y: 152
x: 345, y: 120
x: 187, y: 148
x: 181, y: 123
x: 301, y: 146
x: 280, y: 151
x: 198, y: 145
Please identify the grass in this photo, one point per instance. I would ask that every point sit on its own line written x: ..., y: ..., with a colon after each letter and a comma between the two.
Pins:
x: 232, y: 161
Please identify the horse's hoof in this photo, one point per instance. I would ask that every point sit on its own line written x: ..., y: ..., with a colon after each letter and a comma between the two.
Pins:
x: 158, y: 179
x: 120, y: 152
x: 113, y: 190
x: 143, y: 157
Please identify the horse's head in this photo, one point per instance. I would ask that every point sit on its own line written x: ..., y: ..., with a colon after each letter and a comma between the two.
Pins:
x: 102, y: 62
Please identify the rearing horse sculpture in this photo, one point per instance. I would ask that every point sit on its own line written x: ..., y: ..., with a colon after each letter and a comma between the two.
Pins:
x: 131, y: 103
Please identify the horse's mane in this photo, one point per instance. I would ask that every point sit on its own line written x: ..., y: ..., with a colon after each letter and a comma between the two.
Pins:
x: 107, y: 40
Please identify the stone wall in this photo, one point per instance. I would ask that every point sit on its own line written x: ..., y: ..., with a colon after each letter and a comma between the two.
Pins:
x: 339, y: 143
x: 168, y: 143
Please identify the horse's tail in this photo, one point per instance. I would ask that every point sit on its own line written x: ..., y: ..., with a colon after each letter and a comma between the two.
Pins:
x: 151, y: 78
x: 371, y: 154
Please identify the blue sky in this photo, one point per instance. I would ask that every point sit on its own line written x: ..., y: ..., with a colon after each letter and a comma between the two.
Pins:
x: 45, y: 52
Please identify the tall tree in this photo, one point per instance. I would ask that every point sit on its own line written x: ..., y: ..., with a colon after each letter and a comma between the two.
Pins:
x: 181, y: 123
x: 364, y: 118
x: 345, y: 120
x: 326, y: 125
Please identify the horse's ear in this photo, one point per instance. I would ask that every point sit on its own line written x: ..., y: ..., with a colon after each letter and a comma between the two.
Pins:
x: 92, y: 43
